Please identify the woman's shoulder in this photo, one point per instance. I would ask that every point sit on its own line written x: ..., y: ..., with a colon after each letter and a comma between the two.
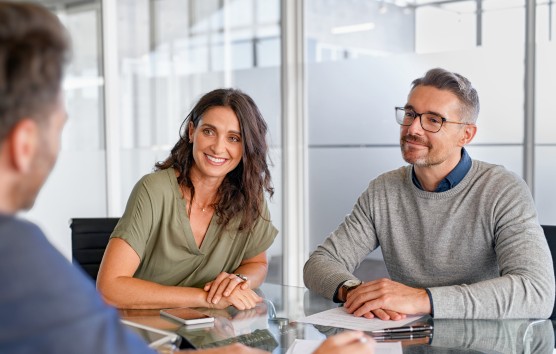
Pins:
x: 162, y: 181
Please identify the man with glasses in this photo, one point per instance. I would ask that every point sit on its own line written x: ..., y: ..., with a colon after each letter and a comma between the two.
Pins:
x: 460, y: 237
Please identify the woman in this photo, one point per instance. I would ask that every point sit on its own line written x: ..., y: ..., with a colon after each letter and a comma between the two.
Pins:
x: 195, y: 232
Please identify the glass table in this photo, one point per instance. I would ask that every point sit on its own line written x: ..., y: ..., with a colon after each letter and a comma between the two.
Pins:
x: 272, y: 325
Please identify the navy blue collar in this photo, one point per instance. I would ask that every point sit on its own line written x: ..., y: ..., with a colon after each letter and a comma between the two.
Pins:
x: 453, y: 178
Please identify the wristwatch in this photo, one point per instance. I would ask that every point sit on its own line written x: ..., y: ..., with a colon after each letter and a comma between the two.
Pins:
x: 346, y: 287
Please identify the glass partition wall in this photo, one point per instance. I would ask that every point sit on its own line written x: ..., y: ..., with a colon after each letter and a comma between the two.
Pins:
x: 171, y: 52
x: 77, y: 185
x: 360, y: 58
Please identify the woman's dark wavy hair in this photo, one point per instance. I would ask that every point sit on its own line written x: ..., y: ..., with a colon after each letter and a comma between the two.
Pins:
x: 243, y: 188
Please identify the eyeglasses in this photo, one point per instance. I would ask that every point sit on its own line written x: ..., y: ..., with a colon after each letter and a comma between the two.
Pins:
x: 430, y: 122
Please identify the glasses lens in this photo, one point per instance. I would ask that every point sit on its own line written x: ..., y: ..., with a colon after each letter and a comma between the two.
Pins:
x: 405, y: 116
x: 431, y: 122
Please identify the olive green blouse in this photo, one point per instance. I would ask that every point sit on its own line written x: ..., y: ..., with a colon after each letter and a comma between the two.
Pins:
x: 156, y: 225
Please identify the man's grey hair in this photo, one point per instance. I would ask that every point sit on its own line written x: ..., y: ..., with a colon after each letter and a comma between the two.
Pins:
x: 456, y: 84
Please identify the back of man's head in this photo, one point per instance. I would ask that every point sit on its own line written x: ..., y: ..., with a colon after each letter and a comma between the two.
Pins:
x: 458, y: 85
x: 34, y: 48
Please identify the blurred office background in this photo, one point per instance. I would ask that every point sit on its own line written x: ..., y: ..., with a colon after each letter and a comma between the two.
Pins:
x: 325, y: 73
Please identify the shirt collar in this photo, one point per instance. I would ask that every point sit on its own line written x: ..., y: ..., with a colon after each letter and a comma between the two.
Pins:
x: 453, y: 178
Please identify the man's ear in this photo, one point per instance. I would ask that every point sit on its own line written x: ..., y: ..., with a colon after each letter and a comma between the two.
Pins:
x: 23, y: 143
x: 468, y: 134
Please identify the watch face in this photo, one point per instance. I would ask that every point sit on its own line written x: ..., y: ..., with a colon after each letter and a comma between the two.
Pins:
x: 350, y: 283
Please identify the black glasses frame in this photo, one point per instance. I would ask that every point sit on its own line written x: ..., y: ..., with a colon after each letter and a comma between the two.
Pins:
x: 442, y: 119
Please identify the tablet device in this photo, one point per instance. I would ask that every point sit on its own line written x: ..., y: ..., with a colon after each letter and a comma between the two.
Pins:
x: 154, y: 337
x: 186, y: 315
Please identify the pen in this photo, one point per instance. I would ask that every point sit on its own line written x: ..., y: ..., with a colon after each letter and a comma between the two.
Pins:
x: 402, y: 336
x: 418, y: 328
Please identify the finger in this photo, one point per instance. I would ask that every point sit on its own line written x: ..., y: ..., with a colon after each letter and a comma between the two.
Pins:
x: 253, y: 298
x: 368, y: 307
x: 207, y: 286
x: 247, y: 300
x: 217, y: 290
x: 361, y: 289
x: 233, y: 282
x: 215, y: 284
x: 383, y: 315
x: 361, y: 301
x: 375, y: 296
x: 238, y: 303
x: 218, y: 294
x: 395, y: 316
x: 362, y: 293
x: 369, y: 315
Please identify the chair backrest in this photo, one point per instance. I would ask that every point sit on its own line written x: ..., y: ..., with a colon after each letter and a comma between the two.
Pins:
x: 89, y: 237
x: 550, y: 233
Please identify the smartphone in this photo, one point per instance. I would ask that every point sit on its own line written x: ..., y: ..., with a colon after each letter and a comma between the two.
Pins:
x: 186, y: 315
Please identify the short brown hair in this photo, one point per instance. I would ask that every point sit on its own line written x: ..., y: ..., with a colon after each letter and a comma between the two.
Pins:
x: 34, y: 48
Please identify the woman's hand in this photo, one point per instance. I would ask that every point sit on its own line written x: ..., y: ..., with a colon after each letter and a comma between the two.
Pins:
x: 240, y: 299
x: 223, y: 286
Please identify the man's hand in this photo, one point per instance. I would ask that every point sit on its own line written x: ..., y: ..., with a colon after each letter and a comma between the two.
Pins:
x: 387, y: 299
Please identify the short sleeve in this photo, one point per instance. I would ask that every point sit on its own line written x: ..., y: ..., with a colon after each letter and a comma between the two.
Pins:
x: 136, y: 223
x: 262, y: 234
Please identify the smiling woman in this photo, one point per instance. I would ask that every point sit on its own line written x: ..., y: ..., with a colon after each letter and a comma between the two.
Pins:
x: 196, y: 231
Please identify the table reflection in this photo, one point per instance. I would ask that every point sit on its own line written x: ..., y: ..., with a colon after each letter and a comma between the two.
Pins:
x: 272, y: 325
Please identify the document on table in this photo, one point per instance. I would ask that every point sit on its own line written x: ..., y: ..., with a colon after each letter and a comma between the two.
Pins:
x: 338, y: 317
x: 305, y: 346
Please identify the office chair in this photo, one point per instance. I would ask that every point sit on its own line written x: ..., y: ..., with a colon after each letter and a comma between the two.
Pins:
x: 550, y: 233
x: 89, y: 237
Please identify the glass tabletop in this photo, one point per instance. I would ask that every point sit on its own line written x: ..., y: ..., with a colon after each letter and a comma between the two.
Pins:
x: 273, y: 326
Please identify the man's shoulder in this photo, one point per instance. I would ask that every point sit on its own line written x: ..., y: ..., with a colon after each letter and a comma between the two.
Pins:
x: 494, y: 171
x: 14, y: 230
x: 397, y: 175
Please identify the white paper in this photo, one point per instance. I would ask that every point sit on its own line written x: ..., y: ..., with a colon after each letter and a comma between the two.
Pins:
x: 305, y: 346
x: 338, y: 317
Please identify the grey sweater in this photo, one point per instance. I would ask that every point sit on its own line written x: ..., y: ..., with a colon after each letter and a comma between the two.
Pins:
x: 477, y: 247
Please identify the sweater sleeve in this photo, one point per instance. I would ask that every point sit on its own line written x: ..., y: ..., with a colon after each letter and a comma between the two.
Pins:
x: 525, y: 288
x: 334, y: 261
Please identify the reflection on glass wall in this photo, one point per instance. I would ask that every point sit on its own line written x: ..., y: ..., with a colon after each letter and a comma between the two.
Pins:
x: 173, y: 51
x: 362, y: 56
x: 77, y: 185
x: 545, y: 124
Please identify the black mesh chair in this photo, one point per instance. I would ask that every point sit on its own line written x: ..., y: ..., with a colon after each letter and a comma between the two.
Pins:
x: 550, y: 233
x: 89, y: 237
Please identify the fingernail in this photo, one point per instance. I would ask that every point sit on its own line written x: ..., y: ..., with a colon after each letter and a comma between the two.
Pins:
x: 226, y: 293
